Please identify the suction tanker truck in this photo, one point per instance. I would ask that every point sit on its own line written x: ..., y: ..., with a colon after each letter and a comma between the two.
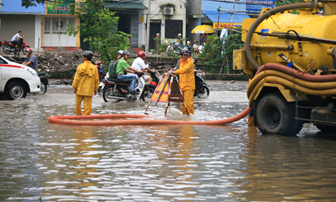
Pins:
x: 290, y: 61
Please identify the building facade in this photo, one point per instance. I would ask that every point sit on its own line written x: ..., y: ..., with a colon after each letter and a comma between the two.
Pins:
x: 167, y: 18
x: 44, y: 26
x: 55, y: 24
x: 131, y: 18
x: 14, y: 18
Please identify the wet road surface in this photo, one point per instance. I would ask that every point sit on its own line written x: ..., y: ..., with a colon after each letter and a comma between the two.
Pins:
x: 50, y: 162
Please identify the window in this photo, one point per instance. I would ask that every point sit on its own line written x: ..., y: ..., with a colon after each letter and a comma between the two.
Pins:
x: 173, y: 28
x: 2, y: 61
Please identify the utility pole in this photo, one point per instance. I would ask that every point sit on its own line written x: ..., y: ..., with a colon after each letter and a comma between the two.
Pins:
x: 233, y: 10
x: 218, y: 9
x: 148, y: 27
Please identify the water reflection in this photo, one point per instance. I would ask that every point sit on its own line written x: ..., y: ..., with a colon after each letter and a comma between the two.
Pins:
x: 288, y: 168
x: 50, y: 162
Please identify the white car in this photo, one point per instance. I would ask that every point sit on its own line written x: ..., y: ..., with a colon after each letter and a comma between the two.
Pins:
x: 17, y: 80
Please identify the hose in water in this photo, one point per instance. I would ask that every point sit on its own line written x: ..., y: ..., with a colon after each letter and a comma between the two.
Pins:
x: 78, y: 120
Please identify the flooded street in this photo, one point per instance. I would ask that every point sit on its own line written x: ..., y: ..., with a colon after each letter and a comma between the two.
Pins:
x: 51, y: 162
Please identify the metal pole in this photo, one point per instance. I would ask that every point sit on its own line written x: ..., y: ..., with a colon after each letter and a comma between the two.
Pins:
x: 148, y: 27
x: 218, y: 9
x: 38, y: 47
x: 234, y: 4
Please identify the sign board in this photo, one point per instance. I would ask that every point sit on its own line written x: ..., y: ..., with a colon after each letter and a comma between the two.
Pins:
x: 257, y: 5
x: 161, y: 91
x: 223, y: 25
x: 167, y: 91
x: 64, y: 7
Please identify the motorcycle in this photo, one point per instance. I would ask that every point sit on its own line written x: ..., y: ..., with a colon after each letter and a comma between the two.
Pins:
x: 44, y: 82
x: 9, y: 47
x: 201, y: 88
x: 116, y: 90
x: 173, y: 49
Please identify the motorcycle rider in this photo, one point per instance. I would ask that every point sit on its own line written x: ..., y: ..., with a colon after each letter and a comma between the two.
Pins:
x: 139, y: 65
x: 122, y: 67
x: 195, y: 47
x: 31, y: 60
x: 120, y: 53
x: 16, y: 40
x: 85, y: 84
x: 186, y: 81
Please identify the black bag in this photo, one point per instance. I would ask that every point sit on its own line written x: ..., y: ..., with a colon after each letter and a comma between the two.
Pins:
x: 112, y: 69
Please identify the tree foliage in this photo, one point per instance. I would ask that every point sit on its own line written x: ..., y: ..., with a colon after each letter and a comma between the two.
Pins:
x: 232, y: 42
x: 99, y: 26
x: 30, y: 3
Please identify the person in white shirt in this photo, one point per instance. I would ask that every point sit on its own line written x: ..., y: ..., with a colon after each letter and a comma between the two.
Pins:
x: 16, y: 39
x: 139, y: 65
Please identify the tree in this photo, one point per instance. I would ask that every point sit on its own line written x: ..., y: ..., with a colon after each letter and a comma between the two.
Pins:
x: 99, y: 25
x: 30, y: 3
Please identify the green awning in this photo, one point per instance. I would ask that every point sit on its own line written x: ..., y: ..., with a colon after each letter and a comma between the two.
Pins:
x: 126, y: 6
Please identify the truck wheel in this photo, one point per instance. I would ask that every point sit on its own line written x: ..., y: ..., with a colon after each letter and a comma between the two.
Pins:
x: 274, y: 115
x: 16, y: 90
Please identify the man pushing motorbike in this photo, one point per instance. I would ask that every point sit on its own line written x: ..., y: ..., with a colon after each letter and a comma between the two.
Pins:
x: 186, y: 81
x: 31, y: 60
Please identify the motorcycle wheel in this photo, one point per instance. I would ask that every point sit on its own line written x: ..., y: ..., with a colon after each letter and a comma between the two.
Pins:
x: 109, y: 91
x: 24, y: 50
x: 204, y: 92
x: 43, y: 88
x: 6, y: 49
x: 147, y: 95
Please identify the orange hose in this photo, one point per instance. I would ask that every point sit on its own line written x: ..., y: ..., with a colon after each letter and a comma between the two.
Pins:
x: 72, y: 120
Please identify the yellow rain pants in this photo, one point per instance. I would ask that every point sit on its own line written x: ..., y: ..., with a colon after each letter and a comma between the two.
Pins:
x: 87, y: 104
x: 188, y: 99
x: 187, y: 84
x: 86, y: 82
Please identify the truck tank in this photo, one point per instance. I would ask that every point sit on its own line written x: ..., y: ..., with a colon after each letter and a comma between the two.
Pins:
x: 290, y: 60
x: 307, y: 54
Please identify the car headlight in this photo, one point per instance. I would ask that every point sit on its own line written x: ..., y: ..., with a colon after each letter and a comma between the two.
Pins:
x: 33, y: 72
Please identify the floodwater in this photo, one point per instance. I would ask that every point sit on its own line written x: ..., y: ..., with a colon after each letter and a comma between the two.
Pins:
x: 49, y: 162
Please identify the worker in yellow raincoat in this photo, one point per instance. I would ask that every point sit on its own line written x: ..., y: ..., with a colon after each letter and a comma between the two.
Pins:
x: 85, y: 84
x: 186, y: 81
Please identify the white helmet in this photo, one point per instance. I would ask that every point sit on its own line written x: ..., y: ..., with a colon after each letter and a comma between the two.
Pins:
x: 120, y: 52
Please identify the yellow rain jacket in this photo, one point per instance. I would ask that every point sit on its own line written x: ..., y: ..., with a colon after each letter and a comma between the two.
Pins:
x: 86, y: 80
x: 187, y: 75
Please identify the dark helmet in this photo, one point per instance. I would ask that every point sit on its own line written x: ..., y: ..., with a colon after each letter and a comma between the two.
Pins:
x: 126, y: 52
x: 88, y: 54
x: 184, y: 52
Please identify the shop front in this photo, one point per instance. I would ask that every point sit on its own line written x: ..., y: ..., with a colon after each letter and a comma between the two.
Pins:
x: 56, y: 22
